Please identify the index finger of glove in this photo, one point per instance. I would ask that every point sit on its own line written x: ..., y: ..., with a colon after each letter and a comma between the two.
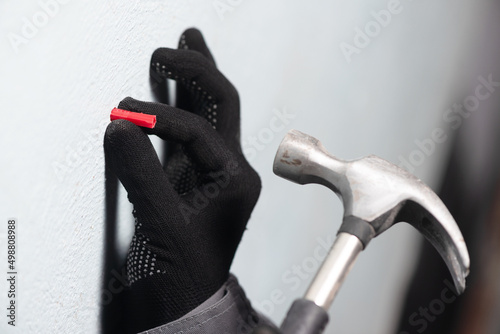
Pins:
x: 216, y: 96
x: 191, y: 39
x: 133, y: 159
x: 203, y: 144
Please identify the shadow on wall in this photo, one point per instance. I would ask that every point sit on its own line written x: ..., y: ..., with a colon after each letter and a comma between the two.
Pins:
x: 113, y: 282
x: 114, y: 271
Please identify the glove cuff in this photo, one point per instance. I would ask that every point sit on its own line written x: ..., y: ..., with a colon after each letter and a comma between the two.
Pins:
x: 228, y: 309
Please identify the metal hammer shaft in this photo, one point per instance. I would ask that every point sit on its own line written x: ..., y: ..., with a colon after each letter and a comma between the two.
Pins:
x: 333, y: 271
x: 309, y: 315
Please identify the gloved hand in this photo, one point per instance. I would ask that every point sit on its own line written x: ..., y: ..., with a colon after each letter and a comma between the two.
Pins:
x: 191, y: 213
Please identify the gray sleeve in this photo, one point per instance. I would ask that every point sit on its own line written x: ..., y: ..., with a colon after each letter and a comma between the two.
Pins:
x: 228, y: 311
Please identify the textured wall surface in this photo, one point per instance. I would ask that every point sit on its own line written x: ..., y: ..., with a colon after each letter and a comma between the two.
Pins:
x: 64, y: 65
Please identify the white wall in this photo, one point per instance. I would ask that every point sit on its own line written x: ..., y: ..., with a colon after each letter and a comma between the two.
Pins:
x: 57, y: 89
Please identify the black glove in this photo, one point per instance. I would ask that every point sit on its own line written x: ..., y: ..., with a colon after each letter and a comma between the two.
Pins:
x: 192, y: 212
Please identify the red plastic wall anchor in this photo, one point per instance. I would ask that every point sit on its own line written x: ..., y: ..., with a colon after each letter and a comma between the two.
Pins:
x: 140, y: 119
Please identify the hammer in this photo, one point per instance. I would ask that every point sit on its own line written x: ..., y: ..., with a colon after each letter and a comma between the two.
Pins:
x: 376, y: 194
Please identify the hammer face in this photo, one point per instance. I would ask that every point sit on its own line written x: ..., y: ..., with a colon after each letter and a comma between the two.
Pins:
x: 378, y: 192
x: 303, y: 159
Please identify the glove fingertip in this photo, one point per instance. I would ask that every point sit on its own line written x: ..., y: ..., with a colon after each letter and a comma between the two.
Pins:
x: 118, y: 133
x: 126, y: 103
x: 192, y: 39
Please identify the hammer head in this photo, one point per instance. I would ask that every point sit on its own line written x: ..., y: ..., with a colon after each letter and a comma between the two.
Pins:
x: 378, y: 193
